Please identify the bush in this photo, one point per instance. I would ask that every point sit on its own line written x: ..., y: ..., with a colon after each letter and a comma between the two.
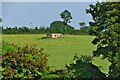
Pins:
x: 24, y: 63
x: 81, y: 69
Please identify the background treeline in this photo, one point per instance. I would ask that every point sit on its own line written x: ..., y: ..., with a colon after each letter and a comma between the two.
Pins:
x: 55, y: 27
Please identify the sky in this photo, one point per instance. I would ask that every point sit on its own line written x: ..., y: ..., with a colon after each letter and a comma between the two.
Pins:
x: 53, y: 0
x: 32, y: 14
x: 0, y: 9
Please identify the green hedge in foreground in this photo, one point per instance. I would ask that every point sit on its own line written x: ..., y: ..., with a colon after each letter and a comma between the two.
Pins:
x: 26, y: 62
x: 23, y: 62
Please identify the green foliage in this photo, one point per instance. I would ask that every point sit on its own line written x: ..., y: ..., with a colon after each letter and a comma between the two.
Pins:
x: 25, y: 63
x: 60, y: 27
x: 84, y: 30
x: 106, y: 28
x: 66, y: 15
x: 0, y: 20
x: 8, y: 47
x: 55, y: 27
x: 117, y: 67
x: 82, y: 24
x: 63, y: 47
x: 82, y: 68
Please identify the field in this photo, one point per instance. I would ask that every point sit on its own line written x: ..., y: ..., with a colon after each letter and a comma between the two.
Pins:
x: 61, y: 50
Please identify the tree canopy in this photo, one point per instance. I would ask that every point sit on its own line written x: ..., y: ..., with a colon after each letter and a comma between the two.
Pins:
x: 106, y: 28
x: 66, y: 15
x: 60, y: 27
x: 82, y: 24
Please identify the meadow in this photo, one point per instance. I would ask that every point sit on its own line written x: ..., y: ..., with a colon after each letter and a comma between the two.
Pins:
x: 60, y: 50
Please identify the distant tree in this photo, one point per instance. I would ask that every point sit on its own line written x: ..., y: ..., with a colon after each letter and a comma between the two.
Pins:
x: 66, y: 15
x: 42, y: 30
x: 0, y: 19
x: 82, y: 24
x: 0, y: 26
x: 83, y: 28
x: 60, y: 27
x: 106, y: 28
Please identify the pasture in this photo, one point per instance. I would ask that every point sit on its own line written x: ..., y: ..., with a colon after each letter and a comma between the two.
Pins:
x: 60, y: 50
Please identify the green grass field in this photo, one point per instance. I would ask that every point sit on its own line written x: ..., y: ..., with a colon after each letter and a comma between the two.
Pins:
x: 61, y: 50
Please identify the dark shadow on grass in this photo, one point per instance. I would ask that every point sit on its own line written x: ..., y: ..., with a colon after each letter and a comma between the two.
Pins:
x: 43, y: 38
x: 47, y: 38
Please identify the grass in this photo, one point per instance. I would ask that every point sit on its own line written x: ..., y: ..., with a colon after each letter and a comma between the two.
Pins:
x: 61, y: 50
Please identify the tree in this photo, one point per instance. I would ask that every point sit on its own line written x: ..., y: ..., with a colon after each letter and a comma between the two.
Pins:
x: 84, y: 29
x: 60, y: 27
x: 66, y: 15
x: 113, y: 0
x: 82, y: 24
x: 82, y: 69
x: 106, y: 28
x: 0, y: 20
x: 0, y: 26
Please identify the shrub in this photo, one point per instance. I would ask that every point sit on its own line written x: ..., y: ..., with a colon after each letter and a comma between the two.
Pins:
x: 82, y: 68
x: 24, y: 63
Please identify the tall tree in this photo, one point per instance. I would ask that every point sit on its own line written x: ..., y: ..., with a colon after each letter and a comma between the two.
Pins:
x: 106, y: 28
x: 66, y: 15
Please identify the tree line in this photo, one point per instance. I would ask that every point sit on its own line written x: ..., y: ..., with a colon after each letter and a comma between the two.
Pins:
x: 55, y: 27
